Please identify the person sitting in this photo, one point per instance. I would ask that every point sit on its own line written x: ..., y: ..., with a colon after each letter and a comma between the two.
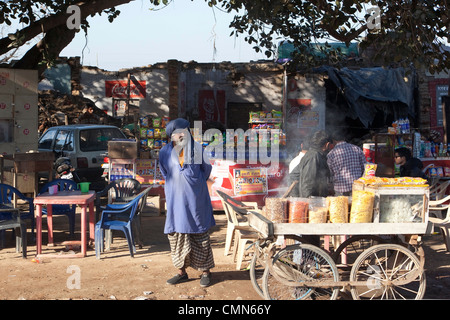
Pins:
x: 409, y: 166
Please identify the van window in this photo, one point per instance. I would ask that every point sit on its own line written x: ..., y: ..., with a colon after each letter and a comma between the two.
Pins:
x: 97, y: 139
x: 64, y: 141
x: 47, y: 139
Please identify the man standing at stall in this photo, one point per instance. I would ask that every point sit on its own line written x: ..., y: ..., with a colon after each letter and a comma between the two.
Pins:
x: 189, y: 210
x: 314, y: 174
x: 294, y: 171
x: 346, y: 162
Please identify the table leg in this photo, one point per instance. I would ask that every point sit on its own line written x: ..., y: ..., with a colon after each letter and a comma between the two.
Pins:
x: 83, y: 230
x: 91, y: 223
x: 50, y: 225
x: 38, y: 218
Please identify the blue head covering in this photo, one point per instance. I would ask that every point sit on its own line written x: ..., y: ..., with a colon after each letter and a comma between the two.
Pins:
x: 173, y: 125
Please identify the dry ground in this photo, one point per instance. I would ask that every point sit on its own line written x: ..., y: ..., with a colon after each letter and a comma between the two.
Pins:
x: 117, y: 276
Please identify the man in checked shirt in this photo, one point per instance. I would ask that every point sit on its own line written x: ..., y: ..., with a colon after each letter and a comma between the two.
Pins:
x: 346, y: 162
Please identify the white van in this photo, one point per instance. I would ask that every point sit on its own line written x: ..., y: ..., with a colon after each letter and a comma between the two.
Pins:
x: 85, y: 144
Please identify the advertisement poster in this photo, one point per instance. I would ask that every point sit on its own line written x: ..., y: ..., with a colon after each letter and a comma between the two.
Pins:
x: 250, y: 181
x: 147, y: 172
x: 211, y: 105
x: 118, y: 89
x: 295, y: 107
x: 308, y: 119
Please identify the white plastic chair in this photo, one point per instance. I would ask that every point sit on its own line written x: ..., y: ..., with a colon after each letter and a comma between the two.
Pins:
x: 437, y: 207
x: 438, y: 191
x: 239, y: 231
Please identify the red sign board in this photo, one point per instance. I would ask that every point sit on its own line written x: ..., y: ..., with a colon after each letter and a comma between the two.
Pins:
x: 118, y: 89
x: 211, y: 105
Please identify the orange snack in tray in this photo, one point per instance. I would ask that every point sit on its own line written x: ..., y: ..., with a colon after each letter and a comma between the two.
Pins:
x: 298, y: 211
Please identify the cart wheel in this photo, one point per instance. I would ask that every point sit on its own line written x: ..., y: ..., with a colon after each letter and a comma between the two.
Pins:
x: 388, y: 271
x: 354, y: 246
x: 258, y: 264
x: 299, y: 263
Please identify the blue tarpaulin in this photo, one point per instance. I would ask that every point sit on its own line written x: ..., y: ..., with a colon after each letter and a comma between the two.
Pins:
x: 361, y: 87
x: 378, y: 84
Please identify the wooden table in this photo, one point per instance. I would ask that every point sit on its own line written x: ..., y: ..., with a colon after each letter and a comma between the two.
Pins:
x: 65, y: 197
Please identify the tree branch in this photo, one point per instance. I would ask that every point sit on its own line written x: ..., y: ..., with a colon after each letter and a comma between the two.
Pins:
x: 59, y: 19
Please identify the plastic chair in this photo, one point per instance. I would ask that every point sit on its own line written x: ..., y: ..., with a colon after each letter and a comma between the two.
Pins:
x: 20, y: 229
x: 442, y: 222
x: 118, y: 191
x: 60, y: 209
x: 438, y: 191
x: 121, y: 191
x: 239, y: 230
x: 108, y: 221
x: 231, y: 222
x: 14, y: 219
x: 7, y: 193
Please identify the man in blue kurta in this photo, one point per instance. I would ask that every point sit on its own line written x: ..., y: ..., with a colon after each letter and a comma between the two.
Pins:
x: 189, y: 210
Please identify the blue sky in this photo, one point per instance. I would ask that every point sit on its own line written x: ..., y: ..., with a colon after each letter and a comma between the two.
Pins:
x: 185, y: 30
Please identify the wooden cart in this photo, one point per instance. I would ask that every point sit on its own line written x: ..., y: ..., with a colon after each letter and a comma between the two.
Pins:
x: 384, y: 260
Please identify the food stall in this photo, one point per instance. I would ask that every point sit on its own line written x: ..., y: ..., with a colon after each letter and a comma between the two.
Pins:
x: 380, y: 219
x: 249, y: 166
x: 240, y: 167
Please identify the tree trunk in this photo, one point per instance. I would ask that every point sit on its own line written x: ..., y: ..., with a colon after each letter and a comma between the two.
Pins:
x: 58, y: 36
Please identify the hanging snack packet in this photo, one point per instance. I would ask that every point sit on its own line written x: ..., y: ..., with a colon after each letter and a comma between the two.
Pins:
x: 156, y: 122
x: 370, y: 169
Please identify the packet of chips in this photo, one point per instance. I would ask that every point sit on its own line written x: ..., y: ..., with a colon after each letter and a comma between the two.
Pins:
x: 370, y: 169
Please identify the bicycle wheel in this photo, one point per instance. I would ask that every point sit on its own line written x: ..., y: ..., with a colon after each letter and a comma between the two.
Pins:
x: 258, y: 264
x: 300, y: 263
x: 390, y: 271
x: 354, y: 246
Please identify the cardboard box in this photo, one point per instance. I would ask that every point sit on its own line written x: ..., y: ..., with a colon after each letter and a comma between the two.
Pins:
x: 25, y: 182
x: 145, y: 154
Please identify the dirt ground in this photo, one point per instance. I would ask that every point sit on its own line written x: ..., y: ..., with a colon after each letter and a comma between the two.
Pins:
x: 117, y: 276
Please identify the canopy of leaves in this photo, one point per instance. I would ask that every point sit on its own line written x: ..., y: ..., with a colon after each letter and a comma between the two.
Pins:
x: 399, y: 32
x: 408, y: 32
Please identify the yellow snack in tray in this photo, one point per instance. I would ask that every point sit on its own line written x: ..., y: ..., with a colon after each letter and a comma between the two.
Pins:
x: 379, y: 181
x: 317, y: 215
x: 338, y: 209
x: 362, y: 206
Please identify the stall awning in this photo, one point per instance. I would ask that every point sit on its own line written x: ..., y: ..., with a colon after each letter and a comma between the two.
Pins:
x: 361, y: 86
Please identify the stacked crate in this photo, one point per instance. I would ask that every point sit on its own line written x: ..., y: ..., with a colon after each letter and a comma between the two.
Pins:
x: 18, y: 110
x: 18, y: 126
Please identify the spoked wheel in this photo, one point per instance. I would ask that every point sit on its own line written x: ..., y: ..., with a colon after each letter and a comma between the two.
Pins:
x: 300, y: 263
x: 388, y: 271
x: 258, y: 263
x: 353, y: 247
